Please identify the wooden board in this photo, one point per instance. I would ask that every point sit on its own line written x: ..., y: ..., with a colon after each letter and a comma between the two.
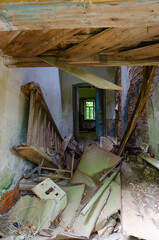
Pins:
x: 6, y: 38
x: 23, y: 42
x: 34, y: 154
x: 142, y: 52
x: 80, y: 73
x: 154, y: 162
x: 33, y: 43
x: 93, y: 61
x: 109, y: 40
x: 70, y: 14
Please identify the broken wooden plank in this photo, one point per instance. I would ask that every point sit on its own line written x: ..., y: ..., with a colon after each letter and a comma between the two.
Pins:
x: 80, y: 73
x: 71, y: 14
x: 34, y: 154
x: 99, y: 193
x: 153, y: 161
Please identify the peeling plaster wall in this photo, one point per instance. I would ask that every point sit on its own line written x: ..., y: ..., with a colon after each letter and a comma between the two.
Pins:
x: 147, y: 128
x: 152, y: 111
x: 14, y: 114
x: 67, y: 81
x: 125, y: 83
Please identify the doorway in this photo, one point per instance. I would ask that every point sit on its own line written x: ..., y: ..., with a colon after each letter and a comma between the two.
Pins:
x: 88, y: 111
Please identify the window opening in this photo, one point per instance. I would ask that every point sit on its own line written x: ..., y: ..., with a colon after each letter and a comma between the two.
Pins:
x: 89, y: 109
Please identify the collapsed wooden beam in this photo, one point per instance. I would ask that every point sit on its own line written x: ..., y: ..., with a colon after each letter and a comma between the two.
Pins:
x: 80, y: 73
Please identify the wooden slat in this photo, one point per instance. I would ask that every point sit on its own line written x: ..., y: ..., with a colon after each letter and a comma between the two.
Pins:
x: 6, y: 38
x: 23, y: 43
x: 80, y: 73
x: 153, y: 161
x: 31, y: 117
x: 68, y: 14
x: 38, y: 126
x: 109, y: 40
x: 97, y: 61
x: 92, y: 61
x: 142, y: 52
x: 35, y: 43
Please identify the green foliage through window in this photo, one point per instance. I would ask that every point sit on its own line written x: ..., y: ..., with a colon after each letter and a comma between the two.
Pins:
x: 90, y: 110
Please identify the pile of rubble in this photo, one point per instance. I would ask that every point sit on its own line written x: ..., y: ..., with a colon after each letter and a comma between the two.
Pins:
x: 105, y: 198
x: 89, y: 203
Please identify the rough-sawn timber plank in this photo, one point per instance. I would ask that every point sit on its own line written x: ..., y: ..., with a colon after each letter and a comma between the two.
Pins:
x: 66, y: 14
x: 109, y: 40
x: 150, y: 160
x: 34, y: 154
x: 80, y: 73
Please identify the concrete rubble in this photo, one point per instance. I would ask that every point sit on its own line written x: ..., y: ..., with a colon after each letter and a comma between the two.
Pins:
x: 98, y: 202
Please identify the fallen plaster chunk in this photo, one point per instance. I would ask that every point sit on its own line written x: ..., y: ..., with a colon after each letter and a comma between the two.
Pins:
x: 49, y: 190
x: 99, y: 192
x: 33, y: 210
x: 112, y: 206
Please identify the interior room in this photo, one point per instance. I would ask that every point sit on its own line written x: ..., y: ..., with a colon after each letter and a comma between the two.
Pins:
x: 79, y: 119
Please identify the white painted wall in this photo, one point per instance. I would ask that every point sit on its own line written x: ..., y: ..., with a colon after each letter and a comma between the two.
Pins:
x: 14, y: 115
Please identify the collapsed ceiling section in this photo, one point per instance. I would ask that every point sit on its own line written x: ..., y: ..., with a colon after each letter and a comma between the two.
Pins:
x: 81, y: 32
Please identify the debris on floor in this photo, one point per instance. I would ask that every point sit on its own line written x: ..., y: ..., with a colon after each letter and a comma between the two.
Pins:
x: 106, y: 198
x: 107, y: 143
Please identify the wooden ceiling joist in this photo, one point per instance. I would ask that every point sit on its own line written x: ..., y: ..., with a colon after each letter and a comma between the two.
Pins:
x: 33, y: 43
x: 26, y: 15
x: 80, y: 73
x: 142, y: 52
x: 107, y: 41
x: 93, y: 61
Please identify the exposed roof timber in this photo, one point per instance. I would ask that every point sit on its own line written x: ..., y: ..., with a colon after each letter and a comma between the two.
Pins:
x: 94, y: 61
x: 141, y: 52
x: 36, y: 42
x: 71, y: 14
x: 6, y: 38
x: 80, y: 73
x: 109, y: 40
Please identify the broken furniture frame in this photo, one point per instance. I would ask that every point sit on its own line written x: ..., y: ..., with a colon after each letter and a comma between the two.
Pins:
x: 58, y: 170
x: 42, y: 134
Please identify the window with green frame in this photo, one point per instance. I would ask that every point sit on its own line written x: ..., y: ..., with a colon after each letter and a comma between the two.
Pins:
x: 89, y: 109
